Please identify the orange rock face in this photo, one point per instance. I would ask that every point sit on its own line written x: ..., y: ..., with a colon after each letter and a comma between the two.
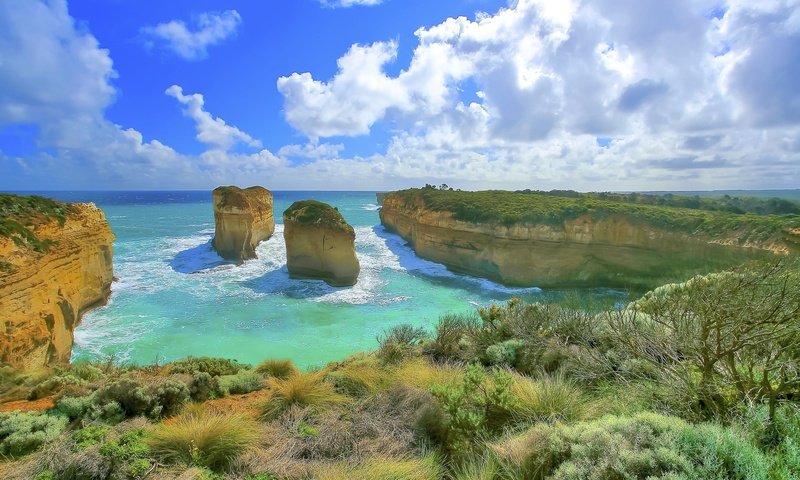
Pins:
x: 44, y: 294
x: 612, y: 251
x: 242, y: 218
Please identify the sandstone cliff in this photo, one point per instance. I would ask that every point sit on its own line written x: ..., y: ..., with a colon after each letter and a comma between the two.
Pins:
x: 612, y: 250
x: 320, y: 244
x: 242, y: 218
x: 50, y: 275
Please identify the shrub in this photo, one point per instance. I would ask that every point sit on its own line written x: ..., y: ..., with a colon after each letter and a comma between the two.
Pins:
x: 398, y: 342
x: 129, y: 453
x: 277, y: 368
x: 89, y: 435
x: 305, y: 389
x: 212, y: 366
x: 129, y: 398
x: 548, y: 398
x: 242, y: 382
x: 503, y: 353
x: 74, y: 408
x: 22, y: 433
x: 478, y: 406
x: 643, y: 446
x: 208, y: 439
x: 204, y: 387
x: 451, y: 340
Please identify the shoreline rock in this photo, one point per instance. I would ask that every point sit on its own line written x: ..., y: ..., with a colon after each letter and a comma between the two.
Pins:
x: 43, y: 294
x: 615, y: 251
x: 243, y: 218
x: 320, y: 244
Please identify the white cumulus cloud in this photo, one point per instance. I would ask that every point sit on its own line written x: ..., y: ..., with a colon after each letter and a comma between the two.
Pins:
x: 191, y: 42
x: 211, y: 130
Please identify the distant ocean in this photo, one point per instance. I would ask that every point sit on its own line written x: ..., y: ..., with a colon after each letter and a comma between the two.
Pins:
x: 175, y: 297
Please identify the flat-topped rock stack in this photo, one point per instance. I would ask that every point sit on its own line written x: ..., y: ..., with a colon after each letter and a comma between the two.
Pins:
x: 243, y: 218
x: 320, y: 244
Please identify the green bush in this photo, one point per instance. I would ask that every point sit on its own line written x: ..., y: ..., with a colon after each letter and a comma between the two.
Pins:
x: 548, y: 398
x: 242, y: 382
x: 162, y: 398
x: 89, y: 435
x: 452, y: 337
x: 212, y: 366
x: 22, y: 433
x: 204, y: 387
x: 277, y: 368
x: 74, y: 408
x: 467, y: 411
x: 399, y: 342
x: 646, y: 445
x: 504, y: 353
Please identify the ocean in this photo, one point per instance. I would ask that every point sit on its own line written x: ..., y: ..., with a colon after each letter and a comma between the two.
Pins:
x: 174, y: 297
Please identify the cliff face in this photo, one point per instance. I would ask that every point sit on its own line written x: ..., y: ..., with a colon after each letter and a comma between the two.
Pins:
x: 242, y: 218
x: 320, y: 244
x: 43, y: 294
x: 612, y: 251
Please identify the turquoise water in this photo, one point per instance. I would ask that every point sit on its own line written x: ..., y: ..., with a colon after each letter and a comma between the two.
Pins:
x: 175, y: 297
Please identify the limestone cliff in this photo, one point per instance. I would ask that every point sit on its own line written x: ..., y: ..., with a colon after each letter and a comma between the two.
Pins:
x: 320, y: 244
x: 242, y: 218
x: 50, y: 274
x: 610, y: 250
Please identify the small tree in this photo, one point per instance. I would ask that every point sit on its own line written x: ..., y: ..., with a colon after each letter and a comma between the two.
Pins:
x: 729, y: 336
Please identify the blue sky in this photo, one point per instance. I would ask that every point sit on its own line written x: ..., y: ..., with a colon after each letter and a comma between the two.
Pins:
x: 371, y: 94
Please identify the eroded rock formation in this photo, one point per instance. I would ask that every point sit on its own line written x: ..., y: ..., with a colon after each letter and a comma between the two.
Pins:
x: 320, y: 244
x: 612, y: 251
x: 242, y: 218
x: 44, y: 293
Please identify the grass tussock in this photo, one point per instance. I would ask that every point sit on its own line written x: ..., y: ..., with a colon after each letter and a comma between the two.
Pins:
x: 305, y: 390
x: 280, y: 368
x: 425, y: 468
x: 204, y: 438
x: 547, y: 399
x: 424, y: 374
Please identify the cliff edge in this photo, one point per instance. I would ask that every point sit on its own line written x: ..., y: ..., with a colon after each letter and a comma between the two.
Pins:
x: 242, y: 219
x: 320, y: 244
x: 55, y: 264
x: 533, y: 240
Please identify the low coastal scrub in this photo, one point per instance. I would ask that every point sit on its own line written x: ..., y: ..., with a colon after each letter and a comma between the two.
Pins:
x: 696, y: 380
x: 20, y: 213
x: 508, y: 208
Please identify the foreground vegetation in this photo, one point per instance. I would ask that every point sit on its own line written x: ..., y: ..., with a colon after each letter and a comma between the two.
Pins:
x: 693, y: 380
x: 508, y: 208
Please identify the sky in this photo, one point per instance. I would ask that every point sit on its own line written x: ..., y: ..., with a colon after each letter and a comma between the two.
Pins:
x: 591, y: 95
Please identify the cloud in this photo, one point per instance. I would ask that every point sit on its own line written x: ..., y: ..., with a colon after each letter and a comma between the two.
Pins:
x: 513, y: 99
x: 192, y: 42
x: 211, y: 130
x: 350, y: 3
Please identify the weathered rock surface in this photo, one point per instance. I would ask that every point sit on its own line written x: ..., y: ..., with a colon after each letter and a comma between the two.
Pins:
x: 612, y: 251
x: 320, y: 244
x: 242, y: 218
x: 43, y: 294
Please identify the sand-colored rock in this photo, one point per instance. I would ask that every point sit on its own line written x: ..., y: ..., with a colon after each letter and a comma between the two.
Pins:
x: 242, y: 218
x: 44, y: 294
x: 320, y: 244
x: 612, y: 251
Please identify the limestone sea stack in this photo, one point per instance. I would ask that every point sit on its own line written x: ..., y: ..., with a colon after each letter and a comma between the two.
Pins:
x: 55, y: 264
x: 242, y: 218
x: 320, y: 244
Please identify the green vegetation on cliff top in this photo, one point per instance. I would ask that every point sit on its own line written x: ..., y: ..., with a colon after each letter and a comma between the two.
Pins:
x: 231, y: 195
x: 508, y: 208
x: 18, y: 213
x: 313, y: 212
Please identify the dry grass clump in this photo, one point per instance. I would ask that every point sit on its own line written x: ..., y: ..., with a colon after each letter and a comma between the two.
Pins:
x: 277, y: 368
x: 426, y: 468
x: 360, y: 377
x: 205, y: 438
x: 548, y: 398
x: 421, y: 373
x: 304, y: 389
